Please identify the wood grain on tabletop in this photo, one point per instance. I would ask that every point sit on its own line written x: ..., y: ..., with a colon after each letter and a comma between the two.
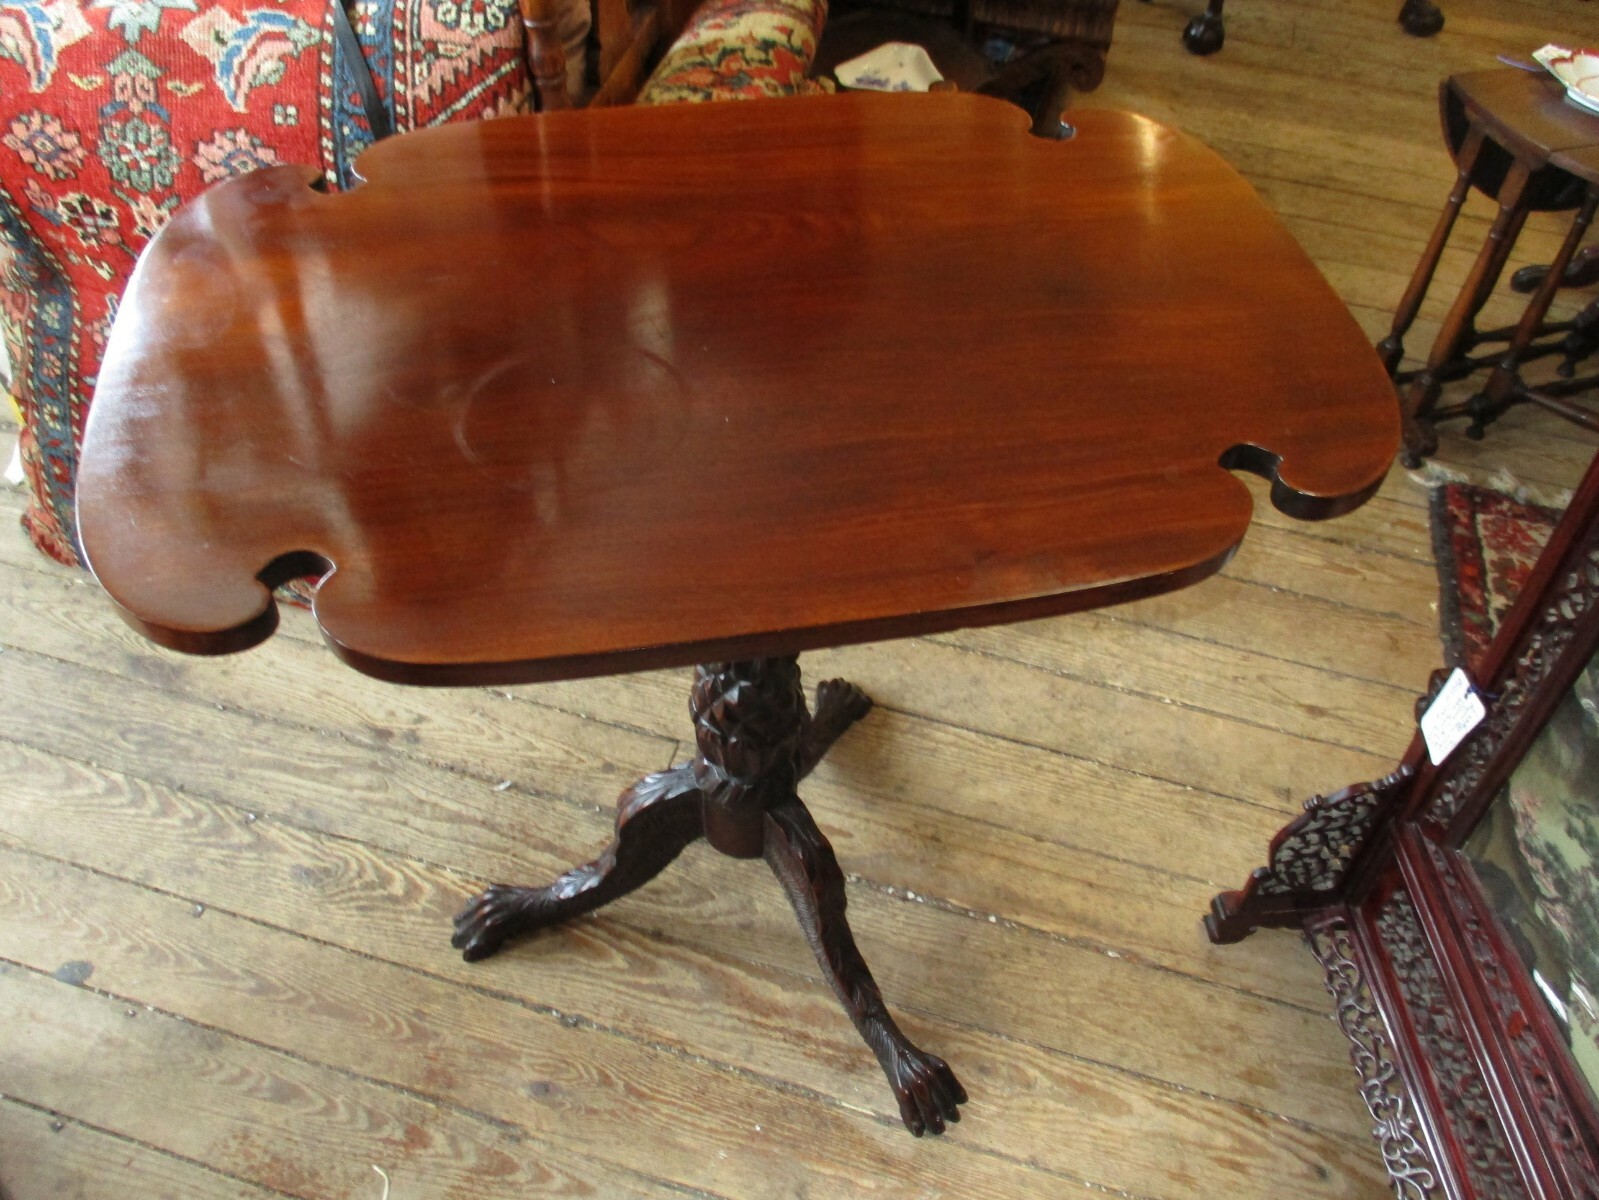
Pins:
x: 755, y: 409
x: 132, y: 775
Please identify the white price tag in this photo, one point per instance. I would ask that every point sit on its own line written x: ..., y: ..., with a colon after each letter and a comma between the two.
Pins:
x: 1454, y: 712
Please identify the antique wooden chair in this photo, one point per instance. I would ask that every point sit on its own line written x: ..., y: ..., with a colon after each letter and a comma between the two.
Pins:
x: 1061, y: 46
x: 629, y: 37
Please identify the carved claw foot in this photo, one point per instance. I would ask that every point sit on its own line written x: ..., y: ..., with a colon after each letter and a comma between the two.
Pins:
x: 839, y: 704
x: 495, y: 916
x: 656, y: 818
x: 929, y: 1095
x: 925, y: 1088
x: 840, y: 700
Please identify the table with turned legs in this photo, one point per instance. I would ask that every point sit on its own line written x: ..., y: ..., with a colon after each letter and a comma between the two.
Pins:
x: 1517, y: 139
x: 616, y: 390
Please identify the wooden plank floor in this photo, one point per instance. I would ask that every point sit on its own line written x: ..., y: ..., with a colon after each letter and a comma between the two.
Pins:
x: 225, y: 885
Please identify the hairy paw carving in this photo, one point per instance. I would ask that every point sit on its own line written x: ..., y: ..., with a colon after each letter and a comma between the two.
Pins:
x: 929, y: 1095
x: 840, y: 694
x: 491, y: 919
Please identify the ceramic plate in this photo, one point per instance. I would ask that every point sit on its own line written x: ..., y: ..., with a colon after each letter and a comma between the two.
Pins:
x: 1577, y: 69
x: 892, y: 67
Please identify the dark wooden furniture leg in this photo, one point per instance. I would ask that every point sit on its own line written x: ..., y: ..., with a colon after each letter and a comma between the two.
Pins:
x: 1043, y: 82
x: 755, y: 740
x: 1582, y: 341
x: 1392, y: 348
x: 1421, y: 18
x: 546, y: 56
x: 1581, y: 272
x: 656, y: 819
x: 839, y: 704
x: 801, y: 858
x: 1071, y: 67
x: 1499, y: 393
x: 1205, y: 33
x: 1458, y: 329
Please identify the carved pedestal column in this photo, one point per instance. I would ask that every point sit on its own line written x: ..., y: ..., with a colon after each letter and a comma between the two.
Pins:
x: 748, y: 721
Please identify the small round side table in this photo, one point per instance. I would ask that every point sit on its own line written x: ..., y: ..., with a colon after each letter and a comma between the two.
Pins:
x: 1517, y: 139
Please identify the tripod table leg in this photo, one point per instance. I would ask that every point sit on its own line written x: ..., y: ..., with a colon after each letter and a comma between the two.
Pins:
x: 929, y: 1095
x: 656, y: 818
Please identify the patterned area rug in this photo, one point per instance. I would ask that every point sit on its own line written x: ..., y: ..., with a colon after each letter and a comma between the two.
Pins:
x: 1486, y: 542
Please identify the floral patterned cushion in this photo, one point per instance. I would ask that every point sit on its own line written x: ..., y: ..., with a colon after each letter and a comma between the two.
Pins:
x: 113, y: 112
x: 740, y: 50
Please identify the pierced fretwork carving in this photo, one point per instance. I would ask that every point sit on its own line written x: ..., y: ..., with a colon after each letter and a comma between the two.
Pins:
x: 1577, y: 593
x: 749, y: 719
x: 1467, y: 1103
x: 1551, y: 1108
x: 1309, y: 859
x: 1314, y: 851
x: 1404, y: 1153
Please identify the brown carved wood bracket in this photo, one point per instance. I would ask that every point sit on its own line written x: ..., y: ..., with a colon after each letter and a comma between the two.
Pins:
x: 1308, y: 862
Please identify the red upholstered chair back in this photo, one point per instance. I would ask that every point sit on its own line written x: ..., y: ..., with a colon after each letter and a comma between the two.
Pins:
x: 111, y: 115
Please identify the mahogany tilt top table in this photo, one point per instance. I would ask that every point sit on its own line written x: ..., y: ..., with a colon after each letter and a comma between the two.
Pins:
x: 631, y: 388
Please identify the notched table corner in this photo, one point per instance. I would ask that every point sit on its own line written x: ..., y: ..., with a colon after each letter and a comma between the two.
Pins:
x: 1300, y: 504
x: 274, y: 184
x: 207, y: 642
x: 212, y: 638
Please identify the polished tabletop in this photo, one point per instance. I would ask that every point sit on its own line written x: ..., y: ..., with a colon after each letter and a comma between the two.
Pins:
x: 607, y: 390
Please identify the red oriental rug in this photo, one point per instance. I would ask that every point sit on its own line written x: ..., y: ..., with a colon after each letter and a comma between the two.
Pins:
x: 1486, y: 543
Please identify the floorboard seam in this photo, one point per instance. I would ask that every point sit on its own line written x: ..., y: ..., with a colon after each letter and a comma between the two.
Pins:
x: 1121, y: 618
x: 1304, y: 532
x: 66, y: 1118
x: 473, y: 880
x: 1292, y: 662
x: 595, y: 808
x: 578, y: 1021
x: 1138, y: 693
x: 520, y: 1131
x: 1286, y: 813
x: 501, y: 1124
x: 1132, y: 957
